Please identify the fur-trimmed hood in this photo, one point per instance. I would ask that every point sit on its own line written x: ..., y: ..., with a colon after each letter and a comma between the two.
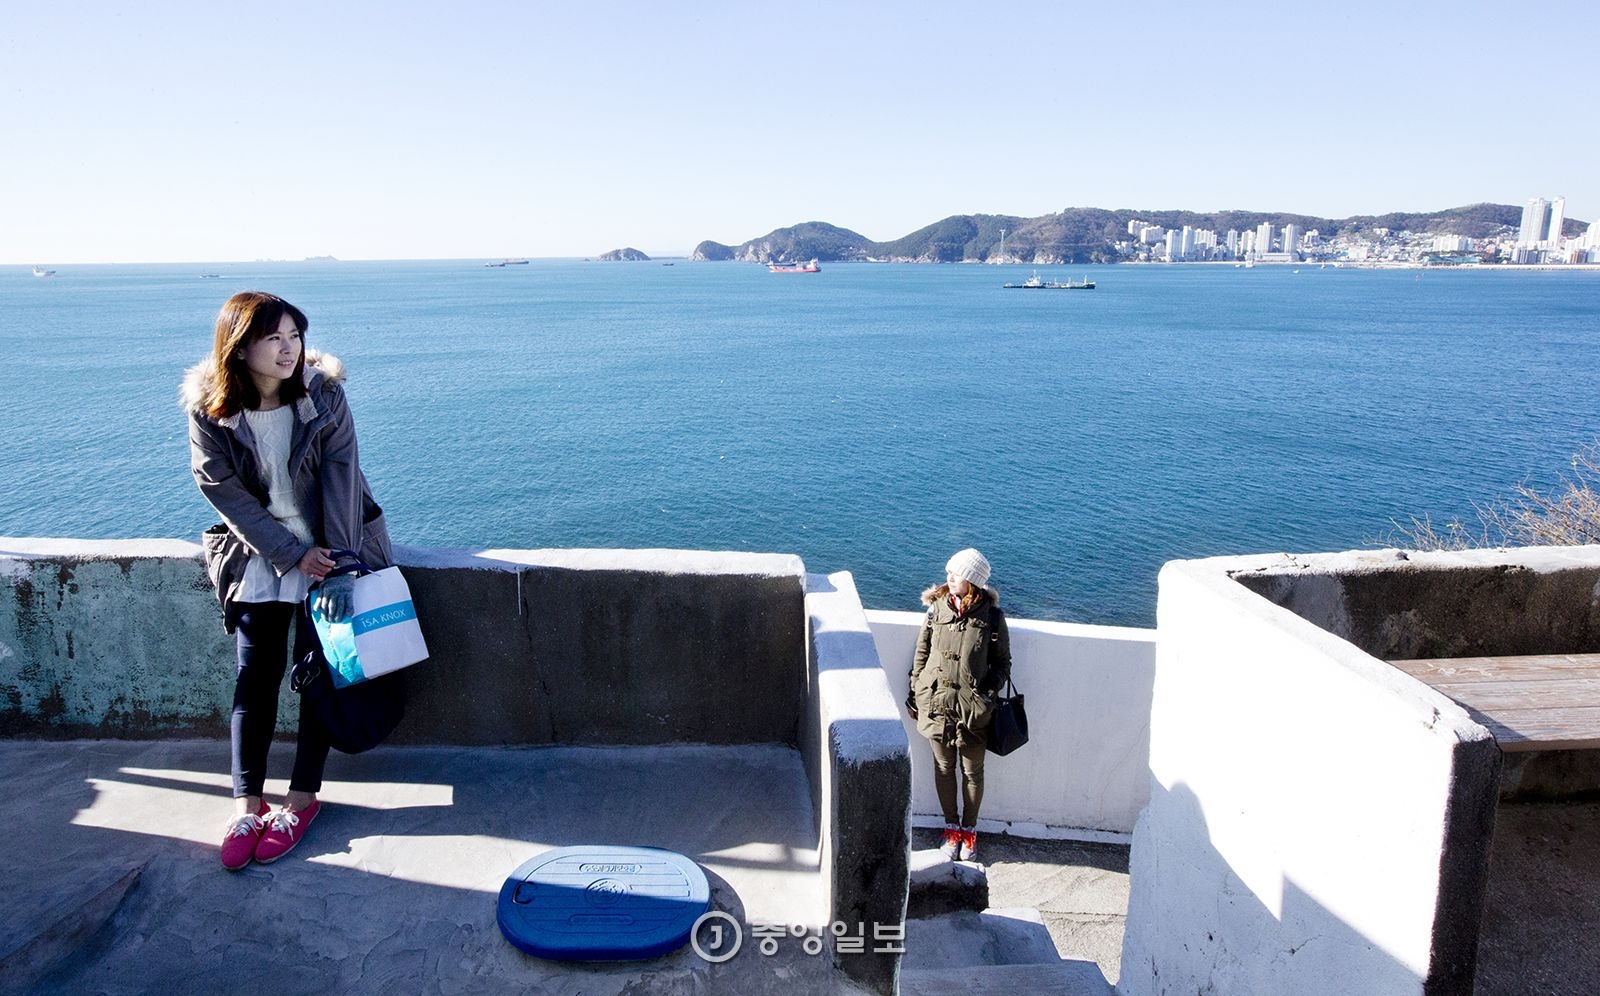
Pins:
x: 941, y: 591
x: 200, y: 378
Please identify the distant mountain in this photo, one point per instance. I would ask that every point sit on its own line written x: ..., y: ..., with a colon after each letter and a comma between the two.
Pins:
x: 807, y: 241
x: 1081, y: 235
x: 713, y: 251
x: 629, y: 255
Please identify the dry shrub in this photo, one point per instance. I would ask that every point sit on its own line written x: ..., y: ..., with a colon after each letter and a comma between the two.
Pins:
x: 1568, y: 515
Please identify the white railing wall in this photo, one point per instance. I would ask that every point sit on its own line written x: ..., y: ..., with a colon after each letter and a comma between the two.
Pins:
x: 1085, y: 771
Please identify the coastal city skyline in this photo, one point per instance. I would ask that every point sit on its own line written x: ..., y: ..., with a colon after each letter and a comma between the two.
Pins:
x: 405, y: 131
x: 1537, y: 240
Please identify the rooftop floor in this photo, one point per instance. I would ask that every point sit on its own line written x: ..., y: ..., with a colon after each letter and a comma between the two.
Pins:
x: 111, y: 882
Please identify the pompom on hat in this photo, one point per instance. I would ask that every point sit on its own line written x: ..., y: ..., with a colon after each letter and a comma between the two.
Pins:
x: 969, y: 564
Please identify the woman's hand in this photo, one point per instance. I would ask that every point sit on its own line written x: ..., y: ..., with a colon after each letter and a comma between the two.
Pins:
x: 316, y: 563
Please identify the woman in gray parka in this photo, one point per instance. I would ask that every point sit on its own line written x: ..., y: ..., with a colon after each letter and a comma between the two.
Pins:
x: 963, y: 659
x: 273, y: 449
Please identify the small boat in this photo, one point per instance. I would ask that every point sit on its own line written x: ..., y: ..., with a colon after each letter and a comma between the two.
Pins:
x: 810, y: 267
x: 40, y: 271
x: 210, y: 276
x: 509, y: 262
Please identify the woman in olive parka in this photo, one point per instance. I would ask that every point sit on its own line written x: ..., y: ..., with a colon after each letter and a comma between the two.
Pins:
x: 963, y: 659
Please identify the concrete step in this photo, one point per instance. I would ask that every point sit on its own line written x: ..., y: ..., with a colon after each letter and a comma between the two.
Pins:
x: 967, y: 939
x: 940, y: 884
x: 1064, y: 978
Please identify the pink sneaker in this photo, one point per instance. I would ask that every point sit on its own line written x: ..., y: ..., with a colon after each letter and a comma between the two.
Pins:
x: 239, y: 844
x: 284, y: 830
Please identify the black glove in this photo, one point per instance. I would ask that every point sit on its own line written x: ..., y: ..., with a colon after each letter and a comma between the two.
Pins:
x: 911, y: 704
x: 335, y: 597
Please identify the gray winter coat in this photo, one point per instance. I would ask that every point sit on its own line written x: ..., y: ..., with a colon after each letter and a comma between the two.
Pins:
x: 961, y: 662
x: 329, y: 489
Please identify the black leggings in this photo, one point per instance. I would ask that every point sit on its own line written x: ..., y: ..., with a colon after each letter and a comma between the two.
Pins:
x: 263, y: 643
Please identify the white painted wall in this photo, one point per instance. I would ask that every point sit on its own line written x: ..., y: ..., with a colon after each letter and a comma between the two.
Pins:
x: 1298, y: 804
x: 1085, y: 768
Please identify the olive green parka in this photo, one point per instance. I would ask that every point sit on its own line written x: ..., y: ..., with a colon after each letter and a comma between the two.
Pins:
x: 961, y: 663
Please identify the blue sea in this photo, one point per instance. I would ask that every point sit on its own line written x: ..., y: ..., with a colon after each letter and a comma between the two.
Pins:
x: 870, y: 418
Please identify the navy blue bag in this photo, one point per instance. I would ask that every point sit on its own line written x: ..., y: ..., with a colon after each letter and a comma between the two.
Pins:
x: 357, y: 717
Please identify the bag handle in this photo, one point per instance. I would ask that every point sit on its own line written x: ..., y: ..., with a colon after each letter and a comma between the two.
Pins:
x: 356, y: 565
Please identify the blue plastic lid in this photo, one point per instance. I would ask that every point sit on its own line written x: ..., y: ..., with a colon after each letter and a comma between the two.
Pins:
x: 603, y: 903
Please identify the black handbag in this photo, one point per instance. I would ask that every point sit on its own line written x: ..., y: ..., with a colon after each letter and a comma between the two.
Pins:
x: 356, y: 718
x: 1008, y: 728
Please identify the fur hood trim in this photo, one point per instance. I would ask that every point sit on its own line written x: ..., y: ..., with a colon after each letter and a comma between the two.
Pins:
x: 941, y: 591
x: 198, y: 379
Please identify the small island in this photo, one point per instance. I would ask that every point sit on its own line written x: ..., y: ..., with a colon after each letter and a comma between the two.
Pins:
x: 629, y: 255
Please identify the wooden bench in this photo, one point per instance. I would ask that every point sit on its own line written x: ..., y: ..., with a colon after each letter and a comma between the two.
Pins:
x: 1543, y: 702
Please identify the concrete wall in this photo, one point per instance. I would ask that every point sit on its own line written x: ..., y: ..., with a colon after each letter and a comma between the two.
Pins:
x: 1085, y: 771
x: 857, y: 752
x: 1319, y: 822
x: 124, y: 638
x: 1403, y: 604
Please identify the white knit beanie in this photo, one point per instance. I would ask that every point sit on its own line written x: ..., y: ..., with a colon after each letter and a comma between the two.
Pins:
x: 969, y: 564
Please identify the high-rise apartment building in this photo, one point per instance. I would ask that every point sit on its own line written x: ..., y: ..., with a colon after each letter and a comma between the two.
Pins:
x: 1264, y: 237
x: 1291, y: 238
x: 1558, y: 218
x: 1532, y: 230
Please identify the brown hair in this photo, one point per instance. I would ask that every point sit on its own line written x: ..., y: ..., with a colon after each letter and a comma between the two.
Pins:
x: 973, y: 596
x: 248, y: 317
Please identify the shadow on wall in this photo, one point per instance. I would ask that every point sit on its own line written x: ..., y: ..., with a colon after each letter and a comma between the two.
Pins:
x: 1260, y: 941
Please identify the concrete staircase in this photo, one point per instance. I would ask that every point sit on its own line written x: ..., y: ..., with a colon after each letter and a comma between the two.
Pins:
x: 957, y: 944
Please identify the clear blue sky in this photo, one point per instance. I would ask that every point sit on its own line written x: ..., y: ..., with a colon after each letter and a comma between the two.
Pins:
x: 219, y: 131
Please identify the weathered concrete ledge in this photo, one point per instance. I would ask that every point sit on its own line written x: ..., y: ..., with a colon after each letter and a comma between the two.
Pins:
x: 1396, y: 604
x: 1320, y: 820
x: 859, y: 758
x: 571, y: 647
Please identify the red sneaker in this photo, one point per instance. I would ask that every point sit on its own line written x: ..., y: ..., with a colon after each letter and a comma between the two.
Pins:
x: 969, y: 844
x: 239, y: 843
x: 952, y: 840
x: 284, y: 830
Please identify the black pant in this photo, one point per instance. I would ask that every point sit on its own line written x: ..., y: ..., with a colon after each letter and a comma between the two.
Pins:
x: 263, y: 642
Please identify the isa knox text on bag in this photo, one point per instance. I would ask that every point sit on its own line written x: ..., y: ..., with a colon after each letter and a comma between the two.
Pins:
x: 381, y: 635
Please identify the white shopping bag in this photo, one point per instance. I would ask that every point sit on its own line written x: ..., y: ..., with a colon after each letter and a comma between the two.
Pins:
x: 381, y: 634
